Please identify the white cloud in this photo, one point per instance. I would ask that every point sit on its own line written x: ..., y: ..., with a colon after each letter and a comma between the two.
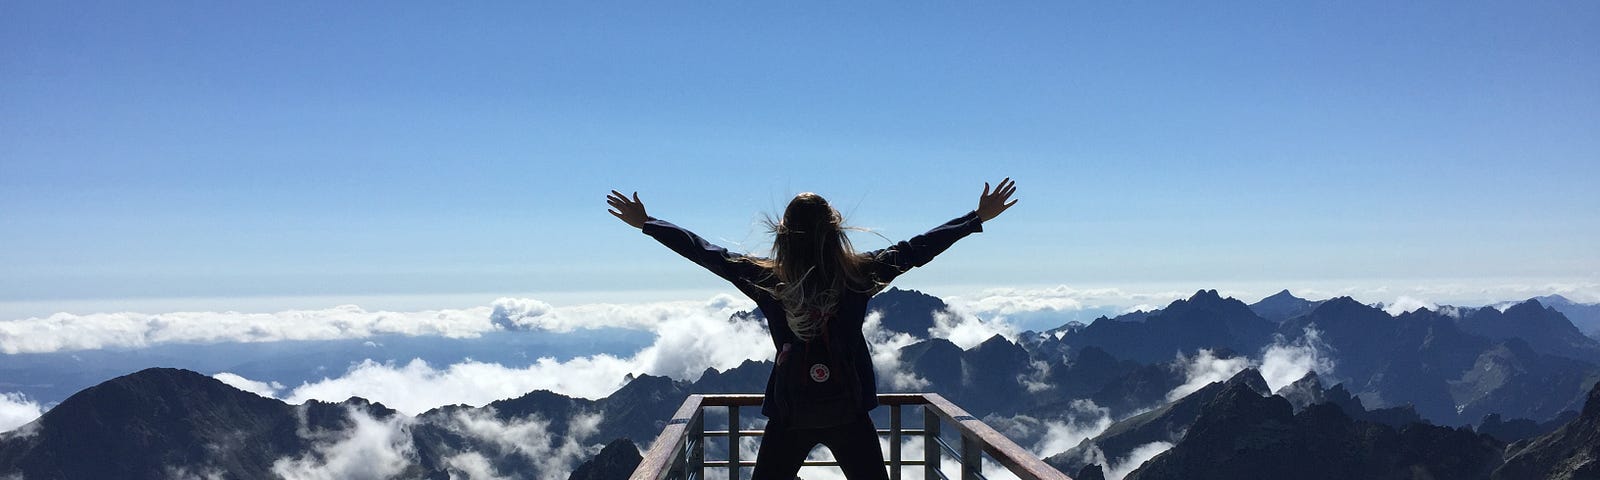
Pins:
x: 967, y: 330
x: 472, y: 466
x: 1084, y: 420
x: 1280, y: 364
x: 370, y: 449
x: 1037, y: 379
x: 68, y: 332
x: 524, y: 313
x: 885, y: 346
x: 1405, y: 304
x: 1135, y: 459
x: 65, y: 332
x: 1058, y: 298
x: 1204, y: 368
x: 186, y: 473
x: 269, y: 390
x: 554, y: 455
x: 685, y: 346
x: 16, y: 410
x: 1284, y: 363
x: 416, y: 386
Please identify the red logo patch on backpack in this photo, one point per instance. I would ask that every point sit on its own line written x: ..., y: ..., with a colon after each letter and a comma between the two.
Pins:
x: 819, y: 373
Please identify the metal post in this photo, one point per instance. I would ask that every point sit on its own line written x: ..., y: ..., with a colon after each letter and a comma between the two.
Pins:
x: 696, y: 467
x: 930, y: 443
x: 894, y: 442
x: 971, y: 458
x: 733, y: 442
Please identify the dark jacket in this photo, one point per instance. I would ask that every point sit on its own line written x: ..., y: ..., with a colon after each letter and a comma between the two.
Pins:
x: 887, y: 264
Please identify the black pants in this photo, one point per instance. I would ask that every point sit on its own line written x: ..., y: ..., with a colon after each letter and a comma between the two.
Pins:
x: 854, y: 445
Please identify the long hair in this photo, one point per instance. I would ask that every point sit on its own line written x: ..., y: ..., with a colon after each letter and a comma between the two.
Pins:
x: 812, y: 263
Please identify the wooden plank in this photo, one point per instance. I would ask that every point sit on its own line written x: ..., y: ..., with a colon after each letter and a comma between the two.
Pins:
x: 1022, y: 463
x: 901, y: 399
x: 732, y: 399
x: 669, y: 443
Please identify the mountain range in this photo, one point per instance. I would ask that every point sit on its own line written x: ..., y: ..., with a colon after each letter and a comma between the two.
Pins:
x: 1207, y: 387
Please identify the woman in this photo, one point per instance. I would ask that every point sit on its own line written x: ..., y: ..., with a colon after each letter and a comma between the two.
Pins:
x: 813, y: 292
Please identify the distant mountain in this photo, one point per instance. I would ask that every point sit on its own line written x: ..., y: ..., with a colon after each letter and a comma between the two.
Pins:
x: 907, y: 311
x: 1002, y: 377
x: 1586, y: 316
x: 1545, y: 329
x: 169, y: 423
x: 1203, y: 321
x: 1570, y: 453
x: 1283, y: 306
x: 1242, y: 434
x: 983, y: 379
x: 1449, y: 375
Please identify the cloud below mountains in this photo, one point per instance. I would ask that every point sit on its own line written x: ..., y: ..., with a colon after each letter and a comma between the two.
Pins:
x: 685, y: 346
x: 370, y: 449
x: 16, y: 411
x: 1281, y: 363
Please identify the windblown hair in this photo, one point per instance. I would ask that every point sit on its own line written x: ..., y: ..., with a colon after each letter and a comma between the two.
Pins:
x: 812, y: 263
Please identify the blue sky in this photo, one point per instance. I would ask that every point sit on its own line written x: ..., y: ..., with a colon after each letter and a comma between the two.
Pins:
x: 185, y: 150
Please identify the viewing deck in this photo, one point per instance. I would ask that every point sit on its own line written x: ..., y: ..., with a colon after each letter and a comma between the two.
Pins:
x: 679, y: 452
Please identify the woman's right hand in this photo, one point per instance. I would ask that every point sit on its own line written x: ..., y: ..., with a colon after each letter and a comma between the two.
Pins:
x: 990, y: 205
x: 630, y: 212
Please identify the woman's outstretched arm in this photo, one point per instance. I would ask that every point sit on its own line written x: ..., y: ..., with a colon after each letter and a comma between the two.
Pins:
x: 919, y: 250
x: 718, y: 260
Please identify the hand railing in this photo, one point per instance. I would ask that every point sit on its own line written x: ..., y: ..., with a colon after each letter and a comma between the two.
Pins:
x: 679, y: 452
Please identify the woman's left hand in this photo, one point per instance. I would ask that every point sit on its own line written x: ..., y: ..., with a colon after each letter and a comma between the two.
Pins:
x: 990, y: 205
x: 630, y: 212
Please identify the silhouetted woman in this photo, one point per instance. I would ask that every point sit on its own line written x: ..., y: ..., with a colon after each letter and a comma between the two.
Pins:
x: 813, y: 292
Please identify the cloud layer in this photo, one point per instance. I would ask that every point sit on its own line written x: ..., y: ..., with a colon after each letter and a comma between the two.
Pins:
x: 690, y: 338
x: 69, y: 332
x: 1033, y: 308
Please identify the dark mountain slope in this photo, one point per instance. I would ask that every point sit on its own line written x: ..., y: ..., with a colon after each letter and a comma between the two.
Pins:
x: 148, y: 423
x: 1242, y: 434
x: 1571, y: 452
x: 614, y: 462
x: 1164, y: 424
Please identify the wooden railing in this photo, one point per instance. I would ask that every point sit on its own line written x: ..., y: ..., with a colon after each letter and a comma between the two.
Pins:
x: 679, y: 452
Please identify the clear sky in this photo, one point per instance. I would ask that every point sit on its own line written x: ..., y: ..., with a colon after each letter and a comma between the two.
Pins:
x: 276, y: 149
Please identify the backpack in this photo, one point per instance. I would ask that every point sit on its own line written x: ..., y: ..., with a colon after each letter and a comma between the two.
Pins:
x: 817, y: 384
